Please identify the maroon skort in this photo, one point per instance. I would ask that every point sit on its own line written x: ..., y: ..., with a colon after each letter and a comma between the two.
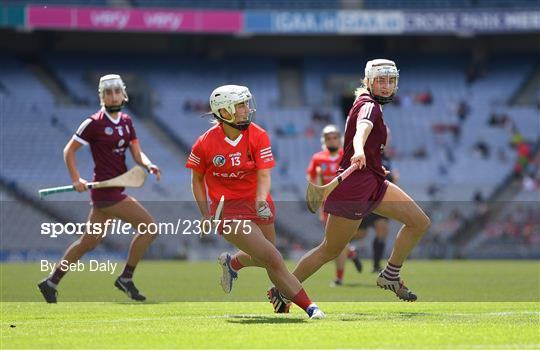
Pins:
x: 357, y: 196
x: 107, y: 196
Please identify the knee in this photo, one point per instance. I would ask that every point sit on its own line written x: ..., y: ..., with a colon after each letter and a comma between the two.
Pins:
x: 424, y: 223
x: 329, y: 253
x: 274, y: 261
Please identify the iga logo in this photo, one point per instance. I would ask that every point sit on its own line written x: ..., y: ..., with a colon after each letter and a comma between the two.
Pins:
x: 219, y: 160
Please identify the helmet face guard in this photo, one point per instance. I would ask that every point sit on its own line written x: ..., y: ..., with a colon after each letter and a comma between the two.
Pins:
x: 227, y: 97
x: 381, y: 68
x: 112, y: 81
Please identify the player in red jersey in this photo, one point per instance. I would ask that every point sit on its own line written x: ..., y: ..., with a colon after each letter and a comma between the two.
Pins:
x: 233, y: 159
x: 321, y: 170
x: 366, y: 189
x: 108, y: 132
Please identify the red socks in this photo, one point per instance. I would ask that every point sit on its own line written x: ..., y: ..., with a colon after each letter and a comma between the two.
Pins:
x: 235, y: 264
x: 302, y: 300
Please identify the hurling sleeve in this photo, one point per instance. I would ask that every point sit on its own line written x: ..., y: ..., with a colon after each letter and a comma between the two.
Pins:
x: 85, y: 134
x: 263, y: 155
x: 369, y: 112
x: 196, y: 159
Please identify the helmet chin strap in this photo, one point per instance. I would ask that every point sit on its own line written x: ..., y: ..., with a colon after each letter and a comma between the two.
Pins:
x: 332, y: 149
x: 383, y: 100
x: 240, y: 126
x: 114, y: 108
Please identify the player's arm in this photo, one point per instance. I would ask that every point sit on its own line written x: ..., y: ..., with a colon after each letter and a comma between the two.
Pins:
x: 69, y: 158
x: 140, y: 158
x: 311, y: 172
x: 364, y: 125
x: 199, y: 192
x: 264, y: 182
x: 362, y: 132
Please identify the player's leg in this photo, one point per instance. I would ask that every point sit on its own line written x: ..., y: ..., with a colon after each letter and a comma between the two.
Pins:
x: 382, y: 228
x: 131, y: 211
x: 242, y: 259
x: 87, y: 242
x: 340, y: 266
x: 231, y: 264
x: 262, y: 250
x: 338, y: 233
x: 354, y: 254
x: 396, y: 204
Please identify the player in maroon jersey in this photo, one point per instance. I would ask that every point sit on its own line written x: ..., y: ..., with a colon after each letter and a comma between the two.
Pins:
x: 108, y: 132
x: 366, y: 189
x: 321, y: 170
x: 233, y: 159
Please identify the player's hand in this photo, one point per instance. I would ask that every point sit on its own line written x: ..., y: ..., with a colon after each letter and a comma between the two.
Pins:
x: 154, y: 169
x: 359, y: 158
x: 386, y: 172
x: 80, y: 185
x: 207, y: 223
x: 263, y: 210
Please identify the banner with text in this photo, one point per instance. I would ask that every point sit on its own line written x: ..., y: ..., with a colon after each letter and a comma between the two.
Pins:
x: 137, y: 20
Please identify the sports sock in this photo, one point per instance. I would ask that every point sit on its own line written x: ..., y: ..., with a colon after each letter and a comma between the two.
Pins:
x: 391, y: 271
x: 236, y: 264
x: 302, y: 300
x: 351, y: 254
x: 55, y: 278
x: 339, y: 274
x: 127, y: 273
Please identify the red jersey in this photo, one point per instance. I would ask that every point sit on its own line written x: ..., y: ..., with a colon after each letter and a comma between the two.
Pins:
x: 369, y: 111
x: 108, y: 140
x: 230, y: 166
x: 328, y: 165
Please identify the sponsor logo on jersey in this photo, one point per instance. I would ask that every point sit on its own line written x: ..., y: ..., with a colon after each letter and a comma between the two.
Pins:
x: 121, y: 142
x: 219, y: 160
x: 108, y: 130
x: 236, y: 154
x: 237, y: 175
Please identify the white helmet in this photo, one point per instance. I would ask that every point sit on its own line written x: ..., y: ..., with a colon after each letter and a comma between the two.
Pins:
x: 112, y: 81
x: 329, y: 129
x: 226, y: 97
x: 379, y: 68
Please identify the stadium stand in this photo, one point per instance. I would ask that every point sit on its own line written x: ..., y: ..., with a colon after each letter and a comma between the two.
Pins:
x: 453, y: 162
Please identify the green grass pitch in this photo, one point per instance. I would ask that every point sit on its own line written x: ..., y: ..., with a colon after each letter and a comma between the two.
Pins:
x: 462, y: 304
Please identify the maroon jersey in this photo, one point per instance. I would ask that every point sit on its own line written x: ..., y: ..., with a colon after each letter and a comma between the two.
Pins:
x: 108, y: 140
x: 367, y: 109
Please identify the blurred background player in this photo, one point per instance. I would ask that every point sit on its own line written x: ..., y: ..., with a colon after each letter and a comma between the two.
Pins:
x: 108, y: 132
x: 380, y: 224
x: 234, y: 159
x: 321, y: 170
x: 366, y: 189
